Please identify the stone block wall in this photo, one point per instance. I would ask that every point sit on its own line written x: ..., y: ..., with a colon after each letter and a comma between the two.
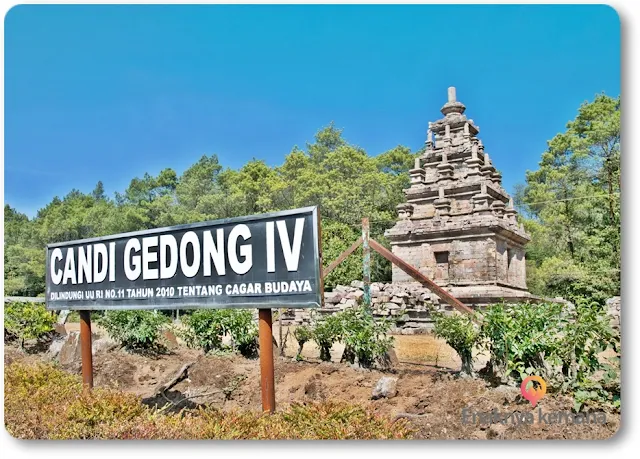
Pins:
x: 470, y: 261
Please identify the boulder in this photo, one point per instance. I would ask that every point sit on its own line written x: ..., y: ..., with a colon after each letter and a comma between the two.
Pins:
x: 70, y: 350
x: 104, y: 344
x: 333, y: 297
x: 386, y: 387
x: 357, y: 284
x: 389, y: 360
x: 397, y: 300
x: 350, y: 303
x: 55, y: 347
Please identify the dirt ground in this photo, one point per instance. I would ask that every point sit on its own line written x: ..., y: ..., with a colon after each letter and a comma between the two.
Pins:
x: 431, y: 397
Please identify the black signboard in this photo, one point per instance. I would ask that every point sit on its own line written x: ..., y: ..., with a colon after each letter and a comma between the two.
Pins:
x: 260, y: 261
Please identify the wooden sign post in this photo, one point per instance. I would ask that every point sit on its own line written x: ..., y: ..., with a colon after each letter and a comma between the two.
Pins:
x: 85, y: 349
x: 267, y: 380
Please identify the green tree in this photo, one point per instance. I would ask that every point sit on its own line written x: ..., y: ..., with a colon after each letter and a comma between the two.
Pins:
x: 571, y: 203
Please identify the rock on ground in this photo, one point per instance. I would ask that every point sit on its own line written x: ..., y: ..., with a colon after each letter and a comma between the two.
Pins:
x: 385, y: 387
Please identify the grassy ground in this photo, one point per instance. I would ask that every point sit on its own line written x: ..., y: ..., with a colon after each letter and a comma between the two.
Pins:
x: 44, y: 402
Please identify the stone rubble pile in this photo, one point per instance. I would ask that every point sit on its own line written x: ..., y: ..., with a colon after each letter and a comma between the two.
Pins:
x: 408, y: 304
x: 613, y: 309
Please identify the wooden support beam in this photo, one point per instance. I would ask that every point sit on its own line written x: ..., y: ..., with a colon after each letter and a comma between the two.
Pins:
x: 341, y: 257
x: 417, y: 275
x: 366, y: 264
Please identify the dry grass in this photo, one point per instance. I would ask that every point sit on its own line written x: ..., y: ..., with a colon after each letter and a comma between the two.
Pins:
x: 44, y: 402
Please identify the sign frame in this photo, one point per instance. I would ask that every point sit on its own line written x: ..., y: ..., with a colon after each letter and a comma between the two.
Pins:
x: 185, y: 302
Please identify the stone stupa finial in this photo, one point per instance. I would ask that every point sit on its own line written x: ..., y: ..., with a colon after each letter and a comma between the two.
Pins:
x: 452, y: 105
x: 451, y: 92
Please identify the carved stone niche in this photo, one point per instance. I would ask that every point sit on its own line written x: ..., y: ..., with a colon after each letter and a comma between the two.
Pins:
x: 498, y: 208
x: 481, y: 201
x: 442, y: 204
x: 405, y: 211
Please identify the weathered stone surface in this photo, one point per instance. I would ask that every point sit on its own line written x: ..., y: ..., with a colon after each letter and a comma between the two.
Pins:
x: 55, y: 347
x: 62, y: 317
x: 385, y: 387
x: 70, y: 349
x: 103, y: 344
x: 392, y: 358
x: 333, y: 297
x: 613, y: 309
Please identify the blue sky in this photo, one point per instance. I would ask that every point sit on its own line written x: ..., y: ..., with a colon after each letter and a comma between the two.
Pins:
x: 111, y: 92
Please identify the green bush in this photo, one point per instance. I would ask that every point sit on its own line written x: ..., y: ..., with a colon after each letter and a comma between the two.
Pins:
x: 302, y: 334
x: 522, y: 339
x: 27, y: 321
x: 205, y: 328
x: 136, y: 330
x: 586, y: 333
x: 243, y: 331
x: 365, y: 338
x: 559, y: 342
x: 327, y: 331
x: 461, y: 334
x: 43, y: 402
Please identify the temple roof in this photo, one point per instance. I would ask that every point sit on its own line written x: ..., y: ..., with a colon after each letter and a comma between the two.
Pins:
x: 453, y: 112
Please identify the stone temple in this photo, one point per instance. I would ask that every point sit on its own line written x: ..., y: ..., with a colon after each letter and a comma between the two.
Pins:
x: 458, y: 225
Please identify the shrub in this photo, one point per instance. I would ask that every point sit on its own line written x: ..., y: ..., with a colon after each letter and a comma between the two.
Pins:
x: 522, y: 338
x: 364, y: 337
x: 43, y: 402
x: 327, y: 331
x: 558, y: 342
x: 27, y: 321
x: 459, y: 331
x: 243, y: 331
x: 302, y: 334
x: 137, y: 330
x: 585, y: 334
x: 205, y: 329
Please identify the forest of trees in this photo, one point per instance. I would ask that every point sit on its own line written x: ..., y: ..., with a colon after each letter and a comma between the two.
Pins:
x: 570, y: 205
